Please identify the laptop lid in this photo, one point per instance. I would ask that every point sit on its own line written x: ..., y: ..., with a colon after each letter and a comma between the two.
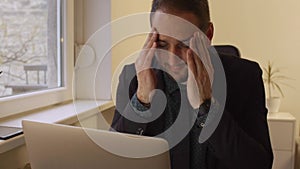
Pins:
x: 54, y: 146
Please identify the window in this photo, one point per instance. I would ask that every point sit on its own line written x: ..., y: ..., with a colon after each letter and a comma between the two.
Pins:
x: 36, y: 53
x: 30, y: 50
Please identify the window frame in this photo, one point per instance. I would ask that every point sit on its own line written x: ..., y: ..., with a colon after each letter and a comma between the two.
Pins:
x: 16, y: 104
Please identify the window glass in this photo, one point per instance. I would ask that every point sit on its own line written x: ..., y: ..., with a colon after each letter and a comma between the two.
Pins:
x: 30, y: 48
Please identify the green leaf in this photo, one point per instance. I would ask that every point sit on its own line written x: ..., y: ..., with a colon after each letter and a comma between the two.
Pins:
x: 273, y: 78
x: 279, y: 89
x: 265, y: 69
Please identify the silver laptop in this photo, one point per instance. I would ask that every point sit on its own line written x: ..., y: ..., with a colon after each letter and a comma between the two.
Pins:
x: 53, y: 146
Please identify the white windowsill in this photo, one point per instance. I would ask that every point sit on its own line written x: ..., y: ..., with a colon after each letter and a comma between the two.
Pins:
x: 62, y: 114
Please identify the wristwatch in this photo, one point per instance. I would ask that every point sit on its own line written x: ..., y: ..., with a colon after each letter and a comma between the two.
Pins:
x: 203, y: 113
x: 204, y: 107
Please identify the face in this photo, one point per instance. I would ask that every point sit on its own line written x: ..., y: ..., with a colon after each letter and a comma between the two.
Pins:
x: 175, y: 29
x: 171, y: 55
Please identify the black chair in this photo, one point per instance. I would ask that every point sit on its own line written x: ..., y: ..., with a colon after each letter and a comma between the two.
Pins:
x: 228, y: 49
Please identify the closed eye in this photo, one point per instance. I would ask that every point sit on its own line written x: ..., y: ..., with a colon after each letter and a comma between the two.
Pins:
x: 183, y: 45
x: 162, y: 44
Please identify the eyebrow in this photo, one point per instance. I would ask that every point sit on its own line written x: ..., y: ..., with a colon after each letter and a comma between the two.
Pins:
x: 185, y: 41
x: 159, y: 40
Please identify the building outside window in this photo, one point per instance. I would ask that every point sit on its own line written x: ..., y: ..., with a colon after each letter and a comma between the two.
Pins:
x: 30, y: 47
x: 36, y: 54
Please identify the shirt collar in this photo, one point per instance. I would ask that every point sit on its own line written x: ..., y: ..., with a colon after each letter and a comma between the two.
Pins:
x: 171, y: 85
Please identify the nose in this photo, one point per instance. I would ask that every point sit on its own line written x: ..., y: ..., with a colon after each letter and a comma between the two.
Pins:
x: 174, y: 56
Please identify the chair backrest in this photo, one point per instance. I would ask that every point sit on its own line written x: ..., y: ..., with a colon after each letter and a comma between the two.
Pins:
x: 36, y: 68
x: 228, y: 49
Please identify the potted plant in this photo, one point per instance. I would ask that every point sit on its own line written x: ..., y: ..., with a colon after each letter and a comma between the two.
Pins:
x: 273, y: 81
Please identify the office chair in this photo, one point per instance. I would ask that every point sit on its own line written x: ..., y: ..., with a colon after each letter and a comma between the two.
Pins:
x: 228, y: 49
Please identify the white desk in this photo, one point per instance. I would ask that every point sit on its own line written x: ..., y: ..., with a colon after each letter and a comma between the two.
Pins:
x: 282, y: 128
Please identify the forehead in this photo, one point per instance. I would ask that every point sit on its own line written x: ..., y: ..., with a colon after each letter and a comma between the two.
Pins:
x: 178, y: 25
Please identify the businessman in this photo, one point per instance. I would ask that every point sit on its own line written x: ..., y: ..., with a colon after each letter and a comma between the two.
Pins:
x: 210, y: 107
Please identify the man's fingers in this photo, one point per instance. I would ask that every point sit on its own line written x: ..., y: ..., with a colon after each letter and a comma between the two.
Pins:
x: 146, y: 54
x: 197, y: 61
x: 204, y: 50
x: 207, y: 61
x: 144, y: 61
x: 152, y: 39
x: 200, y: 40
x: 201, y: 48
x: 150, y: 55
x: 191, y: 63
x: 149, y: 37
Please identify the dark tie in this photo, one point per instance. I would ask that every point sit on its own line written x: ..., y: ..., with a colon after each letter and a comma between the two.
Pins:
x: 175, y: 99
x: 197, y: 150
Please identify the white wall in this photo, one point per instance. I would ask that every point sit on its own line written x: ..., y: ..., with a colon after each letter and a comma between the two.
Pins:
x: 93, y: 72
x: 264, y: 30
x: 132, y: 44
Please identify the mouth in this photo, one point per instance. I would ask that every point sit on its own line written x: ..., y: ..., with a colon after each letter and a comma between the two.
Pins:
x: 176, y: 68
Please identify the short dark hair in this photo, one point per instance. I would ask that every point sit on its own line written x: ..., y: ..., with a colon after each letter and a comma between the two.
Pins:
x: 198, y: 7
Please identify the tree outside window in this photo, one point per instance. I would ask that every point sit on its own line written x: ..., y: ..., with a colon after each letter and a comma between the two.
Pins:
x: 30, y: 46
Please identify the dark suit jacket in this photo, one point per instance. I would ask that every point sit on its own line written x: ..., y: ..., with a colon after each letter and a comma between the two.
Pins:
x: 241, y: 139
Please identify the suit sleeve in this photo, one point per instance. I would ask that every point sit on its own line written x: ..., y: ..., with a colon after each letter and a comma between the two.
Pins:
x: 125, y: 118
x: 243, y: 141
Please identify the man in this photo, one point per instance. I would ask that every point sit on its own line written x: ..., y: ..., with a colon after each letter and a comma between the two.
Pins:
x: 216, y: 131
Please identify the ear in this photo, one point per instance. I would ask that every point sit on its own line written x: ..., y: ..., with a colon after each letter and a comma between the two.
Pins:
x: 210, y: 31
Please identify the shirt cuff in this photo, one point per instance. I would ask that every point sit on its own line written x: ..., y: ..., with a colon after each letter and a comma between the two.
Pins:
x: 206, y: 112
x: 139, y: 108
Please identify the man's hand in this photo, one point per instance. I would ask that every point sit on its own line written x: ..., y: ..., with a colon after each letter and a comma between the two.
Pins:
x: 200, y: 77
x: 145, y: 76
